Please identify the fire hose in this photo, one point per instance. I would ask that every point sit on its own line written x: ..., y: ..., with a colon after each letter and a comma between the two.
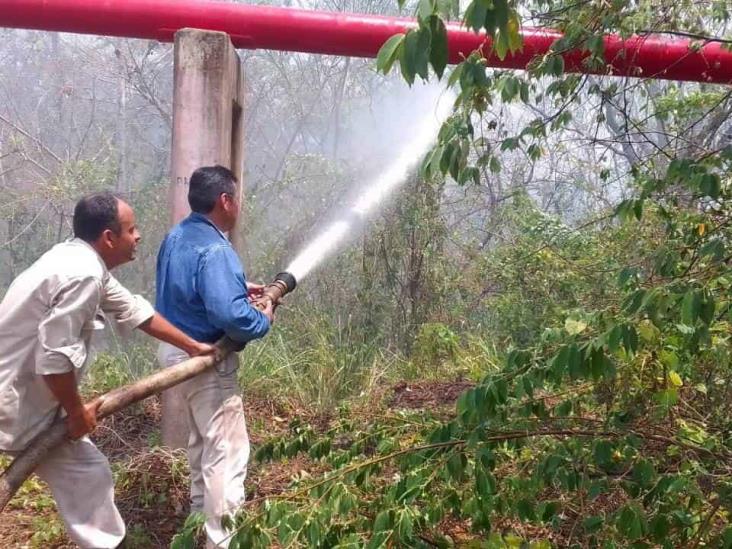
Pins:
x: 118, y: 399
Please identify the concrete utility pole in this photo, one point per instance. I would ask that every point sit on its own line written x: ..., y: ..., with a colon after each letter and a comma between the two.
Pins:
x: 207, y: 130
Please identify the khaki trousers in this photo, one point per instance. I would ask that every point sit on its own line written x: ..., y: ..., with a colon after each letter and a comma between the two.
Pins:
x: 81, y: 482
x: 218, y: 444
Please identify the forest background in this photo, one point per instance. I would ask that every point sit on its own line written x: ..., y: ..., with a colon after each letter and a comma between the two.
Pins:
x: 562, y: 256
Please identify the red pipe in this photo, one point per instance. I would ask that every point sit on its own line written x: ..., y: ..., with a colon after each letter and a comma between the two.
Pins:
x: 348, y: 34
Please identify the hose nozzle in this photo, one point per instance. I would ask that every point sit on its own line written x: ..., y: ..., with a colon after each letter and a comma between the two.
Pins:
x: 282, y: 285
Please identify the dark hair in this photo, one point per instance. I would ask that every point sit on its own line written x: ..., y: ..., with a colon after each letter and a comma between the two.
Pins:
x: 207, y: 184
x: 94, y: 214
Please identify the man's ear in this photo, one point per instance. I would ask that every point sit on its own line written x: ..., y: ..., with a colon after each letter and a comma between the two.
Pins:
x: 107, y: 238
x: 223, y: 202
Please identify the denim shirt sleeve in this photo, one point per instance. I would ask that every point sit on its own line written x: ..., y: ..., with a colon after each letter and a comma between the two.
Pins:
x: 222, y: 286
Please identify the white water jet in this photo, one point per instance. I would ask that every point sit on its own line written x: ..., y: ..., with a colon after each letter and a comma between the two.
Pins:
x: 424, y: 135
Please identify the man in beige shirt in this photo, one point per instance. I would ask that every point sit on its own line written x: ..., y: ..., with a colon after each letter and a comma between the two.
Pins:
x: 49, y: 320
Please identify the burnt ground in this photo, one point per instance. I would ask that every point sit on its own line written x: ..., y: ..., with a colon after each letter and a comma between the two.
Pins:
x: 425, y: 395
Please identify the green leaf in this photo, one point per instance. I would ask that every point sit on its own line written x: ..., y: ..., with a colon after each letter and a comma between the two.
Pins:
x: 558, y: 364
x: 431, y: 165
x: 667, y: 398
x: 648, y: 331
x: 714, y: 248
x: 669, y: 359
x: 634, y: 302
x: 596, y: 44
x: 525, y: 510
x: 388, y: 53
x: 593, y: 523
x: 575, y: 362
x: 425, y: 9
x: 626, y: 275
x: 528, y: 386
x: 509, y: 87
x: 710, y: 185
x: 555, y: 65
x: 638, y: 209
x: 456, y: 74
x: 446, y: 159
x: 597, y: 488
x: 614, y: 337
x: 438, y: 47
x: 706, y: 311
x: 509, y: 144
x: 726, y: 538
x: 485, y: 458
x: 320, y: 449
x: 501, y: 45
x: 490, y: 24
x: 407, y: 59
x: 315, y: 533
x: 186, y: 538
x: 630, y: 339
x: 346, y: 502
x: 422, y: 56
x: 524, y: 92
x: 404, y: 526
x: 549, y: 467
x: 600, y: 365
x: 631, y: 522
x: 456, y: 466
x: 383, y: 521
x: 548, y: 510
x: 513, y: 28
x: 495, y: 165
x: 603, y: 453
x: 475, y: 15
x: 485, y: 484
x: 563, y: 409
x: 534, y: 151
x: 659, y: 528
x: 628, y: 209
x: 690, y: 307
x: 644, y: 473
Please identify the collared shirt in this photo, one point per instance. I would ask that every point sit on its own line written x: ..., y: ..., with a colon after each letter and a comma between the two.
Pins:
x: 201, y: 286
x: 49, y: 319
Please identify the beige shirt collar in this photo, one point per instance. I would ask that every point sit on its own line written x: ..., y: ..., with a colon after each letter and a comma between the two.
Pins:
x: 86, y: 245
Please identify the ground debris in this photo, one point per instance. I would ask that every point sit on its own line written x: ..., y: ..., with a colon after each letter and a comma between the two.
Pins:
x: 427, y: 394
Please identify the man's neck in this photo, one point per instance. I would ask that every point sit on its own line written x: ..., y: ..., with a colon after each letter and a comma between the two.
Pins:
x: 215, y: 218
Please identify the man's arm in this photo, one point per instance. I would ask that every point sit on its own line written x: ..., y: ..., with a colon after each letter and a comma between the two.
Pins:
x: 158, y: 327
x: 224, y: 292
x: 132, y: 311
x: 62, y: 349
x: 81, y: 419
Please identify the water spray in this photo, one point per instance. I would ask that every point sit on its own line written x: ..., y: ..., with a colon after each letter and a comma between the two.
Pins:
x: 373, y: 196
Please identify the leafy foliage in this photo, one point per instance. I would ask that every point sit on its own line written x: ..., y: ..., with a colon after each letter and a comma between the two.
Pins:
x: 608, y: 420
x: 594, y: 411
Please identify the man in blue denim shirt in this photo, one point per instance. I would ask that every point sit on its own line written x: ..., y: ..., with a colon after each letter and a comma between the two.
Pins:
x: 202, y: 289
